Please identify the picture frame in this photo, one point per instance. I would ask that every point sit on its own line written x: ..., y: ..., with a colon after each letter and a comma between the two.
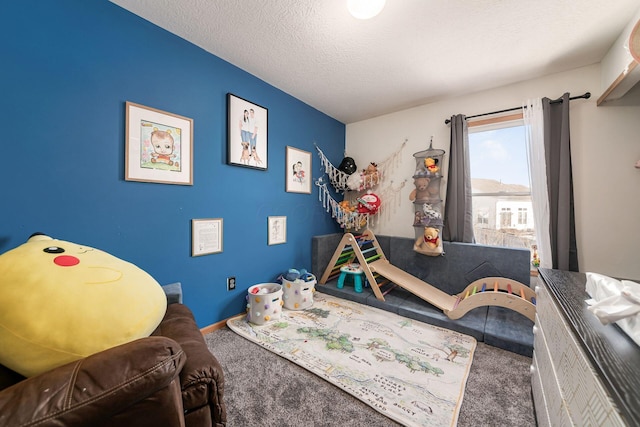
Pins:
x: 277, y: 230
x: 206, y: 236
x: 159, y: 146
x: 247, y: 133
x: 298, y: 171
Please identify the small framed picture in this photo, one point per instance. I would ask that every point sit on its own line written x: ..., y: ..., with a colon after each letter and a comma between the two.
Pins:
x: 298, y: 171
x: 247, y: 133
x: 159, y: 146
x: 277, y: 230
x: 206, y: 236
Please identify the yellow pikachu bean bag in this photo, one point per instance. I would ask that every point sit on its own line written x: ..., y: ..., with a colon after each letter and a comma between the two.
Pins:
x: 60, y: 301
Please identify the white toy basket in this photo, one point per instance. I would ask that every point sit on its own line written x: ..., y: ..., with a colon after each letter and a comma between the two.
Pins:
x: 264, y: 303
x: 298, y: 294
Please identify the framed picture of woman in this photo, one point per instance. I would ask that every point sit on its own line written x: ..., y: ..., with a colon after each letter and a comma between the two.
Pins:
x: 247, y: 133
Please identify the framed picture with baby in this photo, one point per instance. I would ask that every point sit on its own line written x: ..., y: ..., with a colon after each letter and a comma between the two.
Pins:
x: 247, y: 133
x: 159, y: 146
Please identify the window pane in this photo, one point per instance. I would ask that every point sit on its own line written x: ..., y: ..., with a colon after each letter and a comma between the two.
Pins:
x: 502, y: 210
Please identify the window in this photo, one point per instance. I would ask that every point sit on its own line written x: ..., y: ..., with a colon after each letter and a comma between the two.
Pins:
x: 502, y: 210
x: 505, y: 218
x: 522, y: 216
x: 482, y: 218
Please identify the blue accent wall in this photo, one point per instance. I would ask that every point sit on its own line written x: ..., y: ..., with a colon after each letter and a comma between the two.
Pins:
x: 68, y: 67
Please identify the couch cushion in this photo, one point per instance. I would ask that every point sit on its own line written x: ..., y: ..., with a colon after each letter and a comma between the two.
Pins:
x: 509, y: 330
x: 471, y: 323
x: 461, y: 264
x: 173, y: 292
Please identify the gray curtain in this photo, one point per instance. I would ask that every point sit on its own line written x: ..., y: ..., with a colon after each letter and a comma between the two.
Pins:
x: 557, y: 148
x: 458, y: 212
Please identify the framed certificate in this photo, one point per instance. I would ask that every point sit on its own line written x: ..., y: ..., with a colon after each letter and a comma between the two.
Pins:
x: 206, y: 236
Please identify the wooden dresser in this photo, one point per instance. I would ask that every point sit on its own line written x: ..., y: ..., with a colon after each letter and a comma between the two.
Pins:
x: 583, y: 373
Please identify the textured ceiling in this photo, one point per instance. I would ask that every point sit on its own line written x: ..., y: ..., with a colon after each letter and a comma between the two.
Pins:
x: 414, y: 52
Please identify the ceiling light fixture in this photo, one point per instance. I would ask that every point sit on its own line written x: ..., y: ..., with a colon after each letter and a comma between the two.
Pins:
x: 365, y: 9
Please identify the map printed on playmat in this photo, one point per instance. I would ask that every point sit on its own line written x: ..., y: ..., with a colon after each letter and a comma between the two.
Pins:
x: 410, y: 371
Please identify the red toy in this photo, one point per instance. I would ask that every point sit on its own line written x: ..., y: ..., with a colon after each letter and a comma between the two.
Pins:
x: 368, y: 203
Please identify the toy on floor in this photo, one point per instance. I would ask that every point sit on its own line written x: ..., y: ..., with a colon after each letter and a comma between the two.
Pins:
x: 60, y: 302
x: 382, y: 275
x: 353, y: 271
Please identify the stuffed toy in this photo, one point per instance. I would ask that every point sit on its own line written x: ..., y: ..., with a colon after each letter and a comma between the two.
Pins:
x: 372, y: 169
x: 427, y: 216
x: 60, y: 302
x: 368, y: 203
x: 434, y: 189
x: 348, y: 166
x: 368, y: 178
x: 370, y: 175
x: 355, y: 182
x: 421, y: 192
x: 346, y: 206
x: 430, y: 240
x: 431, y: 237
x: 432, y: 165
x: 430, y: 212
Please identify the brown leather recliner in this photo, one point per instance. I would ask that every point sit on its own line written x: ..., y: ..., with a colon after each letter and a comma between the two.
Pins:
x: 168, y: 379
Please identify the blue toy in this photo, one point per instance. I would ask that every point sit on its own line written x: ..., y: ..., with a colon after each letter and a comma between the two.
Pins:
x: 294, y: 274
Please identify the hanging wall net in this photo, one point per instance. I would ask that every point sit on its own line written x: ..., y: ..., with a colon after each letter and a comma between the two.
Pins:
x: 360, y: 205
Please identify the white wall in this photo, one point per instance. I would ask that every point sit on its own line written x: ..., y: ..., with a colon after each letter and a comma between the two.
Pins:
x: 605, y: 145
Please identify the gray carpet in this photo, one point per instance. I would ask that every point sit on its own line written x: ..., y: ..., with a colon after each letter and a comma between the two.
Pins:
x: 264, y: 389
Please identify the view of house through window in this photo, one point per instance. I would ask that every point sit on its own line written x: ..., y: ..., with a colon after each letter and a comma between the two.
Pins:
x: 502, y: 209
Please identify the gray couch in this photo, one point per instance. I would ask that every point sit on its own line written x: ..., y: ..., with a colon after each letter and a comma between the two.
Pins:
x: 461, y: 264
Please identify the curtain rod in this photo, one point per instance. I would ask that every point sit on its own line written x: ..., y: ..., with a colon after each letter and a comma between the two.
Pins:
x: 587, y: 95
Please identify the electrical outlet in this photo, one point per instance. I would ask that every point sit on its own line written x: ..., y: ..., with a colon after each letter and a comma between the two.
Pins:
x: 231, y: 283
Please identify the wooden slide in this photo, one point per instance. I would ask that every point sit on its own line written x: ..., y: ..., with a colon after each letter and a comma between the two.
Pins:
x: 488, y: 291
x: 419, y: 288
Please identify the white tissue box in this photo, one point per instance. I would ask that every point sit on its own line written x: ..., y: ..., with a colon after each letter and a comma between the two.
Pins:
x: 600, y: 287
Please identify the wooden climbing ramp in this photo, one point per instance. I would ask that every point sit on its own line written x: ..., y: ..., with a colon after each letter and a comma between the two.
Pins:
x: 495, y: 291
x: 363, y: 249
x: 383, y: 276
x: 419, y: 288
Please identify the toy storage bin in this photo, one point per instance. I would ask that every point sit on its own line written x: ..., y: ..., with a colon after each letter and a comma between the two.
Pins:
x: 298, y: 294
x: 429, y: 162
x: 428, y: 214
x: 264, y: 303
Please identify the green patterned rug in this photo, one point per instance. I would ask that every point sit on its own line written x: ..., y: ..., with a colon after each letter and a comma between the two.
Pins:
x: 412, y: 372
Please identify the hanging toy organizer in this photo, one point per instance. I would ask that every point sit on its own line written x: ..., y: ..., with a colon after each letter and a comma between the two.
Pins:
x: 360, y: 205
x: 427, y: 203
